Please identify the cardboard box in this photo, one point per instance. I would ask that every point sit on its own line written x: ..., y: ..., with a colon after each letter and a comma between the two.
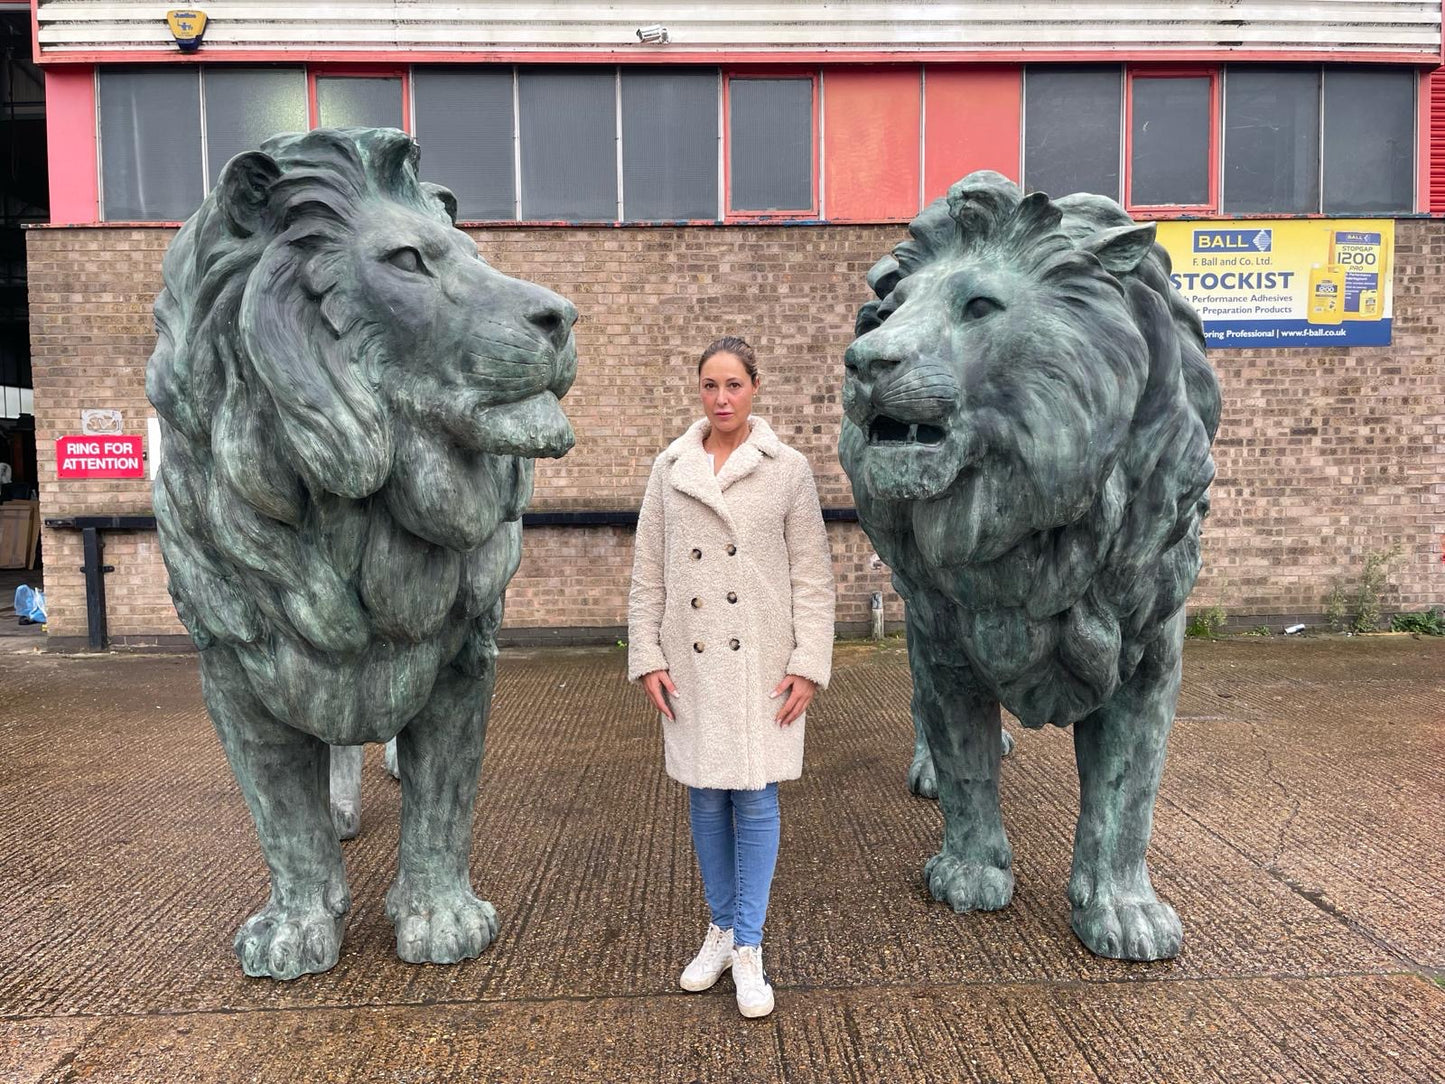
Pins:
x: 19, y: 533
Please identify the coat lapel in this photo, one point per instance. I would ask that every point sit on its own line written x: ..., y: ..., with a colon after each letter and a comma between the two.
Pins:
x: 762, y: 441
x: 691, y: 473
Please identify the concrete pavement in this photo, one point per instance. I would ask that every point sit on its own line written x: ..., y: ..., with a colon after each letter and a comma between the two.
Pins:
x: 1298, y: 833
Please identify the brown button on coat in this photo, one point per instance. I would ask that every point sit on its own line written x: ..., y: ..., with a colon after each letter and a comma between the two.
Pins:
x: 732, y: 588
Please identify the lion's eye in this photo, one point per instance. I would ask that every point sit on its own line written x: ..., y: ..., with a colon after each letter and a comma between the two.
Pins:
x: 407, y: 259
x: 979, y: 307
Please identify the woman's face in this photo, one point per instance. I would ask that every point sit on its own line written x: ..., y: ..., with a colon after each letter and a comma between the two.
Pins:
x: 727, y: 392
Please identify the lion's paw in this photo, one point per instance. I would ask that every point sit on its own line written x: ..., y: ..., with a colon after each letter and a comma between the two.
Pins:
x: 968, y: 886
x: 345, y: 818
x: 443, y: 926
x: 280, y: 942
x: 922, y: 775
x: 1138, y: 929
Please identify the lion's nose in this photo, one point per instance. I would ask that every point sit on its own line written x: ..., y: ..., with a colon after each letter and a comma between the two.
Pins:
x: 864, y: 359
x: 553, y: 316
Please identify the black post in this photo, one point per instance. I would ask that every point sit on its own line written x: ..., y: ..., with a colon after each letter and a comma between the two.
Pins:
x: 95, y: 570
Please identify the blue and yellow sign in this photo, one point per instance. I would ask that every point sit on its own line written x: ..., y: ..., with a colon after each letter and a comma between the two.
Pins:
x: 1293, y: 282
x: 188, y: 28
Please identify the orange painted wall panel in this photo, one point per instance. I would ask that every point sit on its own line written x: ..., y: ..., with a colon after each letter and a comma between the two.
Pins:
x: 870, y: 141
x: 972, y: 120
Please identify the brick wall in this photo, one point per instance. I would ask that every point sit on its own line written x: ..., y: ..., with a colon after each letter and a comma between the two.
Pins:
x: 1324, y: 455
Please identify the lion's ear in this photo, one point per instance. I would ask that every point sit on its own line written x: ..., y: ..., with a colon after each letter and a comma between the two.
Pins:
x: 244, y: 190
x: 445, y: 196
x: 1122, y: 249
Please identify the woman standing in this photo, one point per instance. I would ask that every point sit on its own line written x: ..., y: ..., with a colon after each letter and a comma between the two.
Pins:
x: 730, y: 631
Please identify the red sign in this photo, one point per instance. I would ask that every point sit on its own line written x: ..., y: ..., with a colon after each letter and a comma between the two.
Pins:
x: 99, y: 457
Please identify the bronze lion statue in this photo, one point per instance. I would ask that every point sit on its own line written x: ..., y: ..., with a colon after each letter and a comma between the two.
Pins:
x: 1029, y: 415
x: 350, y: 400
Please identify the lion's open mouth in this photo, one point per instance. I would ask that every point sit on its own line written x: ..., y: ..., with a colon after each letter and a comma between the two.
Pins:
x: 886, y: 430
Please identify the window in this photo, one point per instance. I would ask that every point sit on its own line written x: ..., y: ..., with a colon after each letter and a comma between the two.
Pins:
x: 349, y: 101
x: 464, y: 125
x: 150, y: 145
x: 155, y: 164
x: 246, y: 107
x: 1369, y: 163
x: 1171, y: 140
x: 669, y: 144
x: 1072, y: 130
x: 1271, y: 141
x: 770, y: 145
x: 568, y: 133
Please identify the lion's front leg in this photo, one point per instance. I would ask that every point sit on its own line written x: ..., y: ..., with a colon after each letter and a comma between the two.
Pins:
x: 346, y: 763
x: 1120, y: 753
x: 438, y: 919
x: 922, y: 775
x: 283, y: 774
x: 974, y: 870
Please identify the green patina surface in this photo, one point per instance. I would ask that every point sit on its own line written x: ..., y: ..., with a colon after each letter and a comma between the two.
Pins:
x: 350, y: 400
x: 1028, y: 423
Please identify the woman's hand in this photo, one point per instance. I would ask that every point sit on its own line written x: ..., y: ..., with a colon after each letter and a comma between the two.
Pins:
x: 800, y: 694
x: 655, y: 683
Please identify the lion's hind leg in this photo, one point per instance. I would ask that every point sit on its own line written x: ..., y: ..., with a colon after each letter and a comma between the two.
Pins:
x: 974, y: 870
x: 284, y: 776
x: 1120, y: 753
x: 438, y: 919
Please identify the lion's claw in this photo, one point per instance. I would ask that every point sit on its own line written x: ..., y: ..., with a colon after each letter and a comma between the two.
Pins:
x: 922, y: 775
x: 440, y: 927
x: 1142, y: 929
x: 345, y: 818
x: 968, y: 886
x: 287, y: 942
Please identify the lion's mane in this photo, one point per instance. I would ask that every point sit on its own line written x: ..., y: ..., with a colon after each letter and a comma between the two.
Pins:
x: 312, y: 525
x: 1071, y: 536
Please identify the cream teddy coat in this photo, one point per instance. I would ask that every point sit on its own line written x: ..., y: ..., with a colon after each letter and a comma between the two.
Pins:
x: 732, y: 588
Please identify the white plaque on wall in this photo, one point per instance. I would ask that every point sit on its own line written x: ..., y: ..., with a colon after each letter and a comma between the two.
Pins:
x: 100, y: 422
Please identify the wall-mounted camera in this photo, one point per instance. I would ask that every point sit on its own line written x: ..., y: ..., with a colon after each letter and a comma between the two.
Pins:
x: 652, y: 35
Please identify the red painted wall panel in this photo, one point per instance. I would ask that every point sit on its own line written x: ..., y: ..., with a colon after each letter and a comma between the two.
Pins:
x: 1435, y: 86
x: 972, y: 120
x: 70, y: 136
x: 870, y: 144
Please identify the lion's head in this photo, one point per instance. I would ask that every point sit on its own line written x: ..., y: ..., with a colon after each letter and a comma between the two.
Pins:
x: 1005, y: 358
x: 351, y: 399
x: 1028, y: 415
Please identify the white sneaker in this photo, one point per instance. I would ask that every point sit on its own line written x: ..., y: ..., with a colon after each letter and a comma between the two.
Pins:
x: 715, y: 957
x: 755, y: 993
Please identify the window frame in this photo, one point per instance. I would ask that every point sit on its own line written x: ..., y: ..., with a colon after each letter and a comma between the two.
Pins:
x: 300, y: 68
x: 1123, y: 78
x: 359, y: 71
x: 514, y: 153
x: 1215, y: 150
x: 719, y: 76
x: 100, y: 200
x: 815, y: 158
x: 1420, y: 97
x: 1318, y: 211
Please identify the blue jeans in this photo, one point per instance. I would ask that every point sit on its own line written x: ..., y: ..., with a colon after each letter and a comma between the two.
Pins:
x: 736, y: 836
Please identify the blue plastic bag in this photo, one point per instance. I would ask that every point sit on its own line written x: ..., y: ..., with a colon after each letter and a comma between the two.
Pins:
x: 29, y: 605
